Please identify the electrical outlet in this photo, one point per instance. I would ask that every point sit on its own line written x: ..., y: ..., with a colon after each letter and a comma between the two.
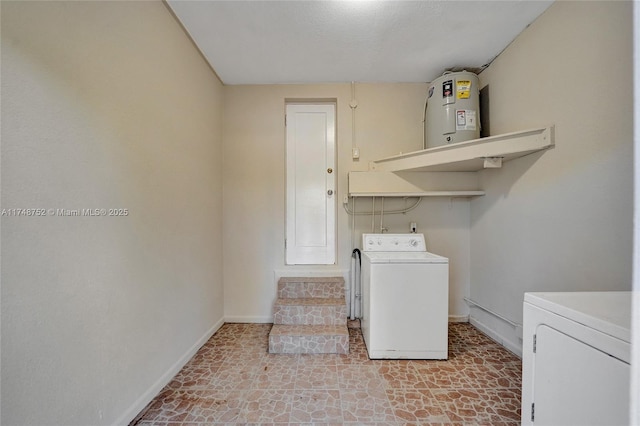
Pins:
x: 345, y: 199
x: 413, y: 227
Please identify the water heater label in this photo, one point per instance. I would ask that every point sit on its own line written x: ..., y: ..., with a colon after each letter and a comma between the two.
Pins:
x: 465, y: 119
x: 447, y: 89
x: 463, y: 89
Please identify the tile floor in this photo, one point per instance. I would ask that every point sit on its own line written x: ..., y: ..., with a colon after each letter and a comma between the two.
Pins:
x: 233, y: 380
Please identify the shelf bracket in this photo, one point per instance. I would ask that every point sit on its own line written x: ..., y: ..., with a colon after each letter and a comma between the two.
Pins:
x: 492, y: 162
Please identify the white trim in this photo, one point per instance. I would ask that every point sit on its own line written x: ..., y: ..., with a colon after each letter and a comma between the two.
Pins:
x: 473, y: 304
x: 249, y: 319
x: 155, y: 388
x: 301, y: 271
x: 498, y: 338
x: 458, y: 318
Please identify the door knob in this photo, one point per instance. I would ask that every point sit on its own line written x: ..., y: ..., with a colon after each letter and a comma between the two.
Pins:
x: 329, y: 170
x: 330, y: 192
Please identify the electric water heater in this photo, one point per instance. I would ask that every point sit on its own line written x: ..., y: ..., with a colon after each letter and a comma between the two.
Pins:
x: 452, y: 113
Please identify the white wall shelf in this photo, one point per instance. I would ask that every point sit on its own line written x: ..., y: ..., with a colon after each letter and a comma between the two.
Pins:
x: 452, y: 194
x: 412, y: 184
x: 470, y: 156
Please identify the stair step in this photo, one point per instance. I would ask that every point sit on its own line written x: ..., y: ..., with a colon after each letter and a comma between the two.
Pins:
x: 309, y: 339
x: 312, y: 301
x: 310, y: 311
x: 301, y: 287
x: 310, y: 316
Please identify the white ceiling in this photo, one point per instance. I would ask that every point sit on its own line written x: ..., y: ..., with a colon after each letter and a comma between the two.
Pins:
x: 267, y: 42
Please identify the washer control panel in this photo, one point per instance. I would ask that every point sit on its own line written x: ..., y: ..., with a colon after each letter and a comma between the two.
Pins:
x: 393, y: 242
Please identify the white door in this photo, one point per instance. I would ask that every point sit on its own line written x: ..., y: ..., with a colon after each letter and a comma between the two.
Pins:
x: 311, y: 177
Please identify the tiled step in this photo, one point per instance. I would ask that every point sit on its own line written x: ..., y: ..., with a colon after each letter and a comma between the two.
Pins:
x: 310, y: 311
x: 309, y: 339
x: 300, y: 287
x: 310, y: 316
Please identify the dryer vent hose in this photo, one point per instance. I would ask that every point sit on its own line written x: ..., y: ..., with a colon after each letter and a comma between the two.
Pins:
x: 356, y: 267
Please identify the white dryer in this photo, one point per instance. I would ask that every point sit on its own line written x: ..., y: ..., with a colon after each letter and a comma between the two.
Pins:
x: 405, y: 298
x: 576, y: 358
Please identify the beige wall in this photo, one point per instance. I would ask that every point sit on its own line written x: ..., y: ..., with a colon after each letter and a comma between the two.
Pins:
x: 105, y: 105
x: 388, y: 121
x: 559, y: 220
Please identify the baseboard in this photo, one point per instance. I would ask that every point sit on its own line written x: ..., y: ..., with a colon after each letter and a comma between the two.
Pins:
x: 148, y: 396
x: 498, y: 338
x: 305, y: 271
x: 458, y: 318
x: 249, y: 319
x: 268, y: 319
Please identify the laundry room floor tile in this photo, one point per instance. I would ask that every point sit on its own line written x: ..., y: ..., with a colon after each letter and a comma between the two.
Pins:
x: 233, y: 380
x: 480, y: 405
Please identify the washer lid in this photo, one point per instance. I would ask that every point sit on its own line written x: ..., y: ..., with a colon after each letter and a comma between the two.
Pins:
x: 404, y: 257
x: 606, y: 311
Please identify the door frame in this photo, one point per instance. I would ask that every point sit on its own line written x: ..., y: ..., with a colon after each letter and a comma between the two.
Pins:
x: 313, y: 102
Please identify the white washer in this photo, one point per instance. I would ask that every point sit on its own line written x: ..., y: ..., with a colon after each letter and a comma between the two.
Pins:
x: 575, y: 358
x: 405, y: 298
